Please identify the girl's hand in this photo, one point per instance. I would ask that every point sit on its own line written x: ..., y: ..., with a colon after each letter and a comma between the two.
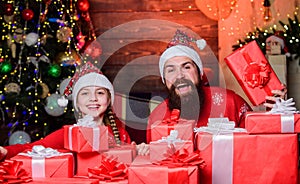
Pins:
x: 142, y: 149
x: 3, y: 153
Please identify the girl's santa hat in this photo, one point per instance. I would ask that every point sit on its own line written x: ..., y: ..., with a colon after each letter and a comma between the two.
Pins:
x: 87, y: 75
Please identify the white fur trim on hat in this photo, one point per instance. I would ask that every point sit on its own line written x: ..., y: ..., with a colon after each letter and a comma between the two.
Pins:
x: 92, y: 79
x: 179, y: 50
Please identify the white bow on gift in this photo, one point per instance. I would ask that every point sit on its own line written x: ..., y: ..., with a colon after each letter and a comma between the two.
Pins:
x: 283, y: 107
x: 171, y: 139
x: 86, y: 121
x: 41, y: 151
x: 219, y: 126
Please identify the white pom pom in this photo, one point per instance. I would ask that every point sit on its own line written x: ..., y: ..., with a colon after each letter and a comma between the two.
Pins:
x: 201, y: 44
x: 62, y: 102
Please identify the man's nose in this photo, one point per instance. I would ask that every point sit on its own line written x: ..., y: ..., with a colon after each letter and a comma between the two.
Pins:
x: 180, y: 74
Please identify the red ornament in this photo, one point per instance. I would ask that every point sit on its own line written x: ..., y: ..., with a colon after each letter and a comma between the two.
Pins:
x: 83, y: 5
x: 27, y: 14
x: 9, y: 9
x: 47, y: 1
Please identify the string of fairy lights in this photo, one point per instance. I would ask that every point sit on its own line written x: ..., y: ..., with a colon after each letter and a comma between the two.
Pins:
x: 67, y: 16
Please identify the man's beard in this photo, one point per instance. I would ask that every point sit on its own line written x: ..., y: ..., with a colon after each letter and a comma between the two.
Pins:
x: 190, y: 103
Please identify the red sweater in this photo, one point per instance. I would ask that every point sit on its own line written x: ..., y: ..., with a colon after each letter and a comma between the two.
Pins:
x: 55, y: 140
x: 218, y: 102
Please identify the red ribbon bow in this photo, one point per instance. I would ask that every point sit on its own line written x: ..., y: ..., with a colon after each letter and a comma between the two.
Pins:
x: 181, y: 157
x: 109, y: 170
x: 255, y: 74
x: 173, y: 118
x: 11, y: 171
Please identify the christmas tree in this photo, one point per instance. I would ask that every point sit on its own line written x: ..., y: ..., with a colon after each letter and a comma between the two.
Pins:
x: 41, y: 44
x: 290, y: 33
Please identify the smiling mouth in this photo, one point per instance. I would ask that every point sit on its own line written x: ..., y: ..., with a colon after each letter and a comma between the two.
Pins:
x: 183, y: 88
x: 93, y: 107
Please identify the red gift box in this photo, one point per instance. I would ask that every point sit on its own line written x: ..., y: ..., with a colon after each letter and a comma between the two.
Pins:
x: 158, y: 149
x: 253, y: 72
x: 65, y: 181
x: 124, y: 153
x: 248, y: 159
x: 61, y: 166
x: 114, y: 182
x: 85, y: 139
x: 161, y: 129
x: 142, y: 171
x: 262, y: 122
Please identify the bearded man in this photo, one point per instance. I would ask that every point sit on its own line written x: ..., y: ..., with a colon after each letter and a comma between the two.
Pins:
x: 182, y: 73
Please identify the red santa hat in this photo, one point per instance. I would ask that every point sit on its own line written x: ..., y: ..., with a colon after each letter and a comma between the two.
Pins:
x: 182, y: 45
x: 277, y: 38
x: 87, y: 75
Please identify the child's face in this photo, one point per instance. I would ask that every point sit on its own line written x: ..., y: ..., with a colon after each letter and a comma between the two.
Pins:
x: 93, y: 100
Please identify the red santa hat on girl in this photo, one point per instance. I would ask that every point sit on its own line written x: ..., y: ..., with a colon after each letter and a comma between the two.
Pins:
x: 182, y: 45
x: 87, y: 75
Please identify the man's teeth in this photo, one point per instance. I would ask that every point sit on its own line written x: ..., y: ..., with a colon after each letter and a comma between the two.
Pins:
x: 181, y: 85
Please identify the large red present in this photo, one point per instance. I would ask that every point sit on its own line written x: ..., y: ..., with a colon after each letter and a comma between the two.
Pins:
x: 85, y: 139
x: 161, y: 129
x: 243, y: 158
x: 253, y: 72
x: 143, y: 171
x: 262, y: 122
x: 158, y: 149
x: 123, y: 153
x: 58, y: 165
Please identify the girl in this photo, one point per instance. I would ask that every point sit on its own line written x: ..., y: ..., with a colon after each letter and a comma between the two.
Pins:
x: 92, y: 95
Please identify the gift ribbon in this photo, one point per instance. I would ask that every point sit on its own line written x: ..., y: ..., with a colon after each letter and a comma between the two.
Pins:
x: 11, y: 171
x: 222, y: 159
x: 287, y: 123
x: 172, y: 138
x: 286, y: 110
x: 172, y: 120
x: 38, y: 154
x: 109, y: 170
x: 256, y: 74
x: 38, y: 167
x: 181, y: 157
x: 96, y: 138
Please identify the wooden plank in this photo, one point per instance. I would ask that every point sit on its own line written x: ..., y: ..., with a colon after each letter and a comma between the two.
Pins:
x: 140, y: 5
x: 146, y: 22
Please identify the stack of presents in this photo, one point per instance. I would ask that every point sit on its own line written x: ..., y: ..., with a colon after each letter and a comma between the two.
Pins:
x: 266, y: 151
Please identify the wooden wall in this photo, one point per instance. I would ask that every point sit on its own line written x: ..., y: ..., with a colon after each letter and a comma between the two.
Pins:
x: 133, y: 33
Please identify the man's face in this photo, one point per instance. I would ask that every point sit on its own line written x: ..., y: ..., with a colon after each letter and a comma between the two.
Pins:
x: 177, y: 71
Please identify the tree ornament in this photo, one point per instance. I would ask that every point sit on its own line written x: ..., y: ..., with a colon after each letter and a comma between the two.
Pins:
x: 12, y: 88
x: 47, y: 2
x: 31, y: 39
x: 93, y: 49
x: 68, y: 59
x: 8, y: 18
x: 18, y: 35
x: 52, y: 107
x: 5, y: 67
x: 9, y: 9
x: 43, y: 90
x: 80, y: 40
x: 54, y: 70
x: 63, y: 86
x: 19, y: 137
x: 63, y: 34
x: 27, y: 14
x: 83, y: 5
